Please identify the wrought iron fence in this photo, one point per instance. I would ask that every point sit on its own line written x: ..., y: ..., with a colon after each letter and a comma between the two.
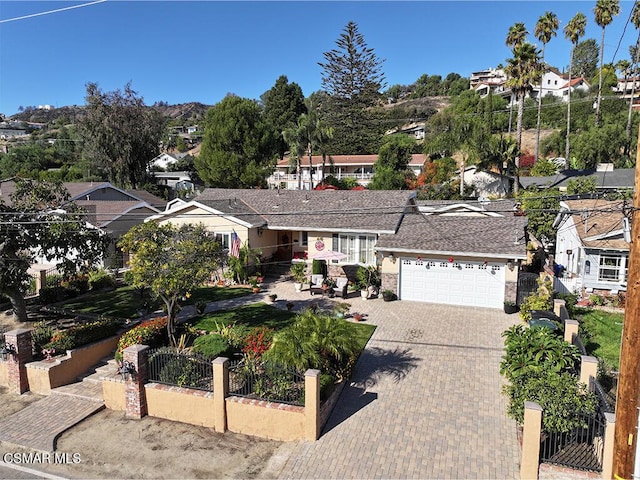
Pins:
x: 266, y: 382
x: 189, y: 370
x: 581, y: 448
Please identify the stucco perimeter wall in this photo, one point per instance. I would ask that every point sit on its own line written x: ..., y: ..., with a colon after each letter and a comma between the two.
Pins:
x: 275, y: 421
x: 185, y: 405
x: 113, y: 392
x: 4, y: 378
x: 47, y: 374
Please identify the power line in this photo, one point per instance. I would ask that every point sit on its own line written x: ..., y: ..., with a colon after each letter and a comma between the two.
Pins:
x: 24, y: 17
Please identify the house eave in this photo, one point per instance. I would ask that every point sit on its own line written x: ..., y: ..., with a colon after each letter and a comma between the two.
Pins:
x: 415, y: 251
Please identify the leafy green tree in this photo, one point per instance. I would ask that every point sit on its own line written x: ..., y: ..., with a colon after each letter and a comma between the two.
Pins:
x: 171, y: 261
x: 543, y: 168
x: 581, y: 185
x: 546, y: 28
x: 39, y: 222
x: 604, y: 11
x: 391, y: 168
x: 352, y: 77
x: 120, y: 134
x: 600, y: 145
x: 585, y: 58
x: 238, y: 147
x: 523, y: 70
x: 573, y: 32
x: 283, y: 105
x: 540, y: 207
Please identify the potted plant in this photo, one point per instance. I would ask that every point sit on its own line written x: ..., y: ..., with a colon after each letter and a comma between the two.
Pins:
x: 510, y: 307
x: 388, y: 295
x: 298, y: 271
x: 255, y: 287
x: 272, y: 297
x: 368, y: 281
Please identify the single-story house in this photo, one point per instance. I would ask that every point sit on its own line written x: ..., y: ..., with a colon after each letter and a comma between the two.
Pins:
x: 591, y: 246
x: 450, y: 252
x: 108, y: 208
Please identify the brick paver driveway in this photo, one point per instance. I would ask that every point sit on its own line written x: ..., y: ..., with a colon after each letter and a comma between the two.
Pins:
x: 425, y: 401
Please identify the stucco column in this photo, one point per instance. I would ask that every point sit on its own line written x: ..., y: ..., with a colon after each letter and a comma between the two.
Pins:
x: 136, y: 356
x: 312, y: 404
x: 531, y: 441
x: 41, y: 280
x: 19, y: 341
x: 560, y: 309
x: 220, y: 392
x: 570, y: 329
x: 588, y: 369
x: 607, y: 454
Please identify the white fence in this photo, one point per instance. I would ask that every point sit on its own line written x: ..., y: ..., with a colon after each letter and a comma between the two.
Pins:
x: 567, y: 285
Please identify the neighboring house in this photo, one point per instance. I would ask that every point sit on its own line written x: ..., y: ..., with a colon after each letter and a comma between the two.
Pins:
x: 628, y: 87
x: 177, y: 181
x: 359, y: 167
x: 607, y: 178
x: 487, y: 184
x: 447, y: 252
x: 590, y: 245
x: 165, y: 160
x: 108, y: 208
x: 413, y: 129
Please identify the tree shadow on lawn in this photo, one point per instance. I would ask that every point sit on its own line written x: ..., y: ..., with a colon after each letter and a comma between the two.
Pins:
x: 374, y: 364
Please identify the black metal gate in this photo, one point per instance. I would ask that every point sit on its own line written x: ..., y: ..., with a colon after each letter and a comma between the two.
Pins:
x: 527, y: 284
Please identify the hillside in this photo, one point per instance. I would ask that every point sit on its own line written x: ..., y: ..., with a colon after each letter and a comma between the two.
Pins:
x: 192, y: 112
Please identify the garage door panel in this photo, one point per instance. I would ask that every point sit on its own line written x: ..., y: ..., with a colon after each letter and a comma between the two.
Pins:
x: 460, y: 283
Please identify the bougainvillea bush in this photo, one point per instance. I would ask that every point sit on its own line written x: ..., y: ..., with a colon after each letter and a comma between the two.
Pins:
x: 150, y: 332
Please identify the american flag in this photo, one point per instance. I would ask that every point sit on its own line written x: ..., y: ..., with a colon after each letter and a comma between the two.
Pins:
x: 234, y: 251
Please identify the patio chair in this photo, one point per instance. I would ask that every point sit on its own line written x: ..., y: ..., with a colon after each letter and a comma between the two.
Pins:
x: 340, y: 290
x: 315, y: 284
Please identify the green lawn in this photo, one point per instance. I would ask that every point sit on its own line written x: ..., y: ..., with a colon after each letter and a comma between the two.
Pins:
x: 125, y: 302
x: 602, y: 334
x: 261, y: 314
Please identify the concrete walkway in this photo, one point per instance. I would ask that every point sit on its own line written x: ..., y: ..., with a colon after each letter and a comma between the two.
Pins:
x: 425, y: 400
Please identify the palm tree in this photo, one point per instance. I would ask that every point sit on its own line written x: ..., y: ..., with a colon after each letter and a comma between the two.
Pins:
x: 635, y: 18
x: 523, y: 70
x: 604, y: 12
x: 515, y: 36
x: 546, y: 28
x: 572, y: 32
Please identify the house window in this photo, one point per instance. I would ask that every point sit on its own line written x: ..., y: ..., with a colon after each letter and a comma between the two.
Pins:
x: 358, y: 248
x: 612, y: 268
x: 224, y: 239
x: 305, y: 239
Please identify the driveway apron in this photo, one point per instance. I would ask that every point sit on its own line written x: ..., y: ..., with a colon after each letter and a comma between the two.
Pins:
x: 424, y: 401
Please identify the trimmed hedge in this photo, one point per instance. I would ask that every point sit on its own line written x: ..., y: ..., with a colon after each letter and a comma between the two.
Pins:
x: 84, y: 334
x: 151, y: 332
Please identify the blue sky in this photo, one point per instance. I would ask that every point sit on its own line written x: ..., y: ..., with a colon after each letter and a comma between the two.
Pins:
x: 182, y: 51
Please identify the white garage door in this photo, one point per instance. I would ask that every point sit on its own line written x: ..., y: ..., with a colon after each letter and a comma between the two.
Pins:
x: 455, y: 283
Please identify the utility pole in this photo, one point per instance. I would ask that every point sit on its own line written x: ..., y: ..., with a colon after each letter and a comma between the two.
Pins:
x: 627, y: 401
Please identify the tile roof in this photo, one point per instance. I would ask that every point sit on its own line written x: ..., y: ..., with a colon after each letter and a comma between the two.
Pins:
x: 597, y: 217
x: 150, y: 198
x: 434, y: 234
x: 345, y: 210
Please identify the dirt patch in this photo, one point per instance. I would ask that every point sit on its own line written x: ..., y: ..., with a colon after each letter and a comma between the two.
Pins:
x: 108, y: 445
x: 112, y: 446
x: 8, y: 323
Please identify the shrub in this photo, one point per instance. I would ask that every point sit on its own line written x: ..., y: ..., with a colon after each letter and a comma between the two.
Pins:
x: 570, y: 302
x: 211, y: 346
x: 100, y: 279
x: 563, y: 398
x: 176, y: 369
x: 541, y: 299
x: 152, y: 333
x: 40, y: 336
x: 257, y: 342
x: 84, y: 334
x: 233, y: 334
x: 596, y: 300
x: 48, y: 295
x: 77, y: 284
